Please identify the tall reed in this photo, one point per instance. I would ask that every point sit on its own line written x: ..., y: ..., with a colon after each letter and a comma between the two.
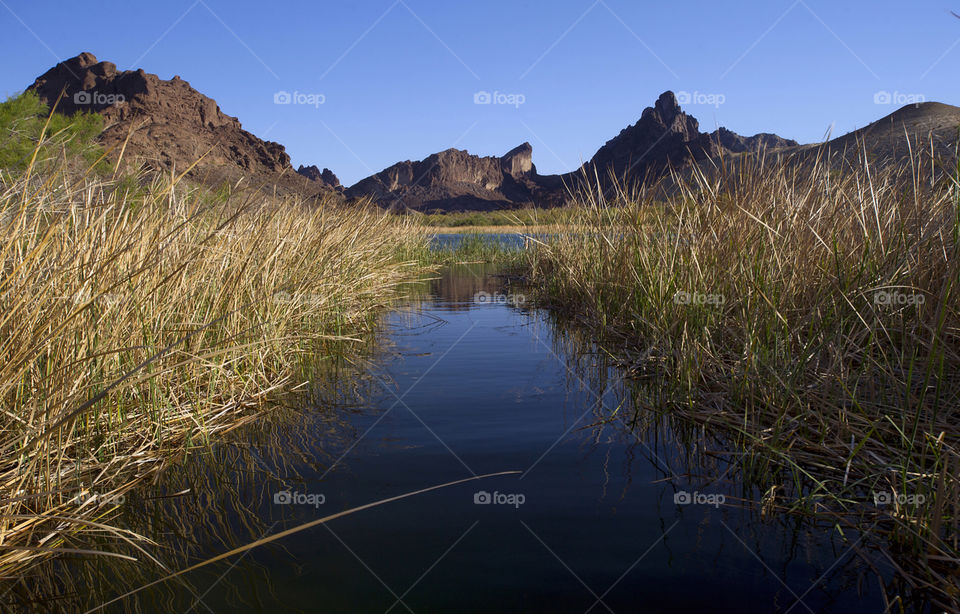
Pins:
x: 802, y: 310
x: 141, y: 317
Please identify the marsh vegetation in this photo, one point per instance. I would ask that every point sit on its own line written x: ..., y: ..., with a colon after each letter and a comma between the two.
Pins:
x: 142, y: 317
x: 810, y: 315
x: 800, y: 321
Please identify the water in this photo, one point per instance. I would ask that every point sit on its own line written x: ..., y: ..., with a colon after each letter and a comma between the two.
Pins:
x: 470, y: 382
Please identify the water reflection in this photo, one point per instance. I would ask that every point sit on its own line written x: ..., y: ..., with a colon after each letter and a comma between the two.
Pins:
x: 697, y: 460
x: 214, y: 499
x: 621, y: 502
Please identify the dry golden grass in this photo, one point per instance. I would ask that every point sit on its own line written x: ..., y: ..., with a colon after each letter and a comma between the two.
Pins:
x: 137, y: 322
x: 810, y: 315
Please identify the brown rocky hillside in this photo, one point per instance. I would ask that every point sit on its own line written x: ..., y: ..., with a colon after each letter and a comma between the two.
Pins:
x: 170, y: 125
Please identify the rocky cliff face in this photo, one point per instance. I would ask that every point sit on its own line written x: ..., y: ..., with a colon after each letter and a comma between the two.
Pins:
x: 170, y: 124
x: 455, y: 179
x: 518, y: 161
x: 667, y: 137
x: 325, y: 177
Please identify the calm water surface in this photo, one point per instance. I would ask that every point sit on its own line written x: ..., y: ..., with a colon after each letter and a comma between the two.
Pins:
x: 471, y: 382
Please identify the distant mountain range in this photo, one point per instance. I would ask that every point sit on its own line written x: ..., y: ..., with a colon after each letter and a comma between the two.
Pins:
x: 456, y: 180
x: 168, y: 125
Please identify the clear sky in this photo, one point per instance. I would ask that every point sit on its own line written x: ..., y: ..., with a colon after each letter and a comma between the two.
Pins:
x: 380, y: 81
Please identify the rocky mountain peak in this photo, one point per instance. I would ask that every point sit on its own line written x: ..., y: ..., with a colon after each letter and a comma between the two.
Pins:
x: 81, y: 62
x: 662, y: 136
x: 665, y: 109
x: 315, y: 174
x: 171, y: 125
x: 518, y: 161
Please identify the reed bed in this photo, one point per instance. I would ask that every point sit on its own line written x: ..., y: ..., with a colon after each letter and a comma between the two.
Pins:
x: 807, y: 314
x: 505, y: 249
x: 220, y: 494
x: 520, y: 217
x: 142, y: 317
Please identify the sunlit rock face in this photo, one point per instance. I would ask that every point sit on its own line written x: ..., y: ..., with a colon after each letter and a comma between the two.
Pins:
x: 166, y: 124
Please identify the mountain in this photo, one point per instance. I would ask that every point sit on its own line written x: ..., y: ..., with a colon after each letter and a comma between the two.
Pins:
x: 457, y: 180
x: 920, y: 126
x: 666, y: 137
x: 663, y: 137
x: 920, y: 137
x: 170, y: 125
x: 315, y: 174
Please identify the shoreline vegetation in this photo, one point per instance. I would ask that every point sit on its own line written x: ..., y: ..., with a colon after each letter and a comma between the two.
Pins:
x: 810, y: 316
x: 141, y: 317
x: 503, y: 218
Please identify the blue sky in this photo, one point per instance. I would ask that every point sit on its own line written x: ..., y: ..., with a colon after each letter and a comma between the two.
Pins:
x: 398, y: 78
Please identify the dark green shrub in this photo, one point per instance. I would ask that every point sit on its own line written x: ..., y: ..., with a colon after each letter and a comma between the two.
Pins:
x: 22, y: 119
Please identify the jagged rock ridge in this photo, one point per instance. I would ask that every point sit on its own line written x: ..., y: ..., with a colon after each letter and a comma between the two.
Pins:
x: 326, y: 177
x: 666, y: 136
x: 171, y: 126
x: 455, y: 179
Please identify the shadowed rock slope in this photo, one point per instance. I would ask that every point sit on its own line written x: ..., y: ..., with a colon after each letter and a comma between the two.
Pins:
x: 456, y: 180
x: 664, y: 137
x: 923, y: 127
x: 918, y: 138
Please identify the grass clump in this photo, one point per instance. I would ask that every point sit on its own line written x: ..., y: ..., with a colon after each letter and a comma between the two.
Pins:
x: 137, y: 321
x: 809, y: 316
